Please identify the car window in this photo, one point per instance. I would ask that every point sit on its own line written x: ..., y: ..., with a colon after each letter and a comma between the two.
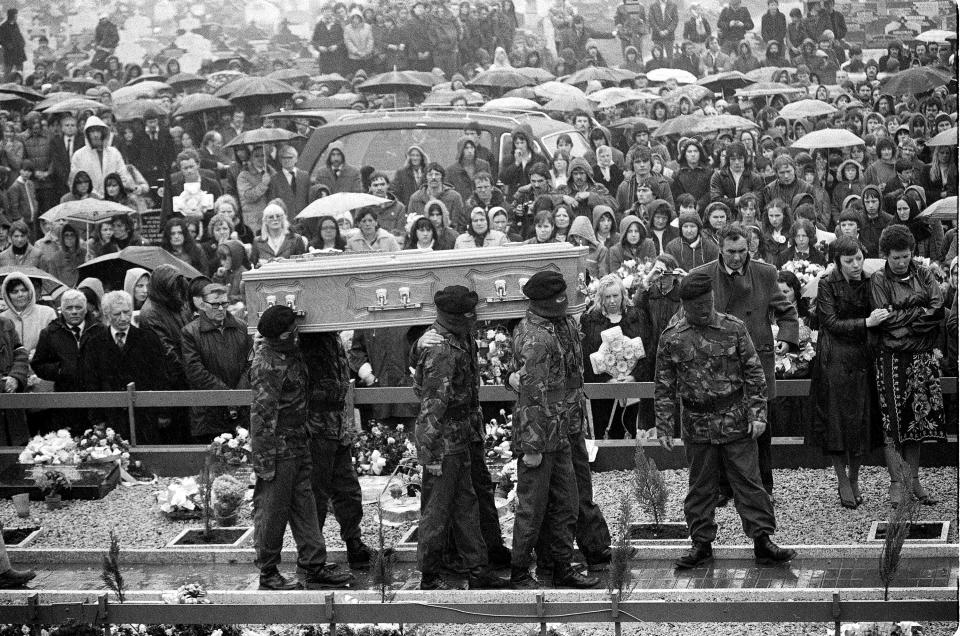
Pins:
x: 386, y: 150
x: 580, y: 147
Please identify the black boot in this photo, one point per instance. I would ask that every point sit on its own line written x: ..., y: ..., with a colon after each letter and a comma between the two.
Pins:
x: 13, y: 579
x: 499, y: 557
x: 565, y: 576
x: 433, y: 582
x: 700, y: 553
x: 325, y: 579
x: 766, y: 552
x: 358, y: 554
x: 484, y: 579
x: 273, y: 580
x: 521, y: 579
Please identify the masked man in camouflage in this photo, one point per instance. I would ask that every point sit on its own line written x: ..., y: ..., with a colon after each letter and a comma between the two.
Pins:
x: 545, y: 345
x: 330, y: 420
x: 706, y: 361
x: 281, y: 458
x: 447, y: 380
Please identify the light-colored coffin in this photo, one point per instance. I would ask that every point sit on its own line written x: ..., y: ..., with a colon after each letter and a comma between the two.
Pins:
x: 362, y: 291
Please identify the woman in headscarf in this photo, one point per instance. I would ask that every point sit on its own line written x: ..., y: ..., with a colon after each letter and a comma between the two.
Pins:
x: 479, y: 233
x: 410, y: 177
x: 927, y: 233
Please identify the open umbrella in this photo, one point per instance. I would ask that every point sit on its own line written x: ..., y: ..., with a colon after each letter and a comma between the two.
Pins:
x: 664, y: 74
x: 768, y: 73
x: 138, y: 91
x: 336, y: 81
x: 261, y: 136
x: 75, y: 106
x: 79, y: 84
x: 289, y: 75
x: 764, y: 89
x: 568, y: 104
x: 599, y: 74
x: 536, y: 74
x: 627, y: 123
x: 182, y: 81
x: 21, y: 91
x: 446, y: 97
x: 255, y: 87
x: 524, y: 92
x: 146, y: 77
x: 946, y: 138
x: 501, y: 79
x: 693, y: 92
x: 54, y: 98
x: 612, y: 92
x: 702, y: 124
x: 111, y: 268
x: 553, y: 90
x: 915, y: 80
x: 47, y: 284
x: 936, y: 35
x: 510, y: 103
x: 339, y: 202
x: 828, y: 138
x: 395, y: 82
x: 942, y: 210
x: 319, y: 103
x: 724, y: 82
x: 136, y: 109
x: 200, y: 103
x: 10, y: 98
x: 219, y: 79
x: 88, y: 210
x: 807, y: 108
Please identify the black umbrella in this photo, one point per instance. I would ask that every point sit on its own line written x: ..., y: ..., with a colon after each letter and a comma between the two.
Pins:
x: 47, y: 284
x: 395, y: 82
x: 916, y: 80
x: 111, y: 268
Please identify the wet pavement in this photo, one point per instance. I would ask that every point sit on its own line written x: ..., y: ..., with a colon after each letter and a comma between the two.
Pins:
x: 648, y: 574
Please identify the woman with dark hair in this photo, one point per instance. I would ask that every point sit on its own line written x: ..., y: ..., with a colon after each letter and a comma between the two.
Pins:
x: 101, y: 242
x: 634, y: 245
x: 411, y: 176
x: 843, y: 388
x: 113, y: 190
x: 803, y: 244
x: 545, y: 228
x: 124, y: 234
x: 371, y: 237
x: 328, y: 235
x: 927, y: 233
x: 883, y: 169
x: 657, y: 59
x: 81, y: 188
x: 422, y: 235
x: 908, y: 373
x: 776, y: 223
x: 694, y: 175
x: 178, y: 241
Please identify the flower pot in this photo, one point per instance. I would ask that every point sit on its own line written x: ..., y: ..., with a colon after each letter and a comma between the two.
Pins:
x: 227, y: 521
x: 54, y: 502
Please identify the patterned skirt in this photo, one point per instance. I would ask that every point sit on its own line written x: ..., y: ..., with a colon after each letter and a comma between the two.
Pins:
x: 911, y: 397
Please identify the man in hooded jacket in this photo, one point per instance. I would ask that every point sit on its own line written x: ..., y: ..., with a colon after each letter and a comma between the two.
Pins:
x: 98, y: 157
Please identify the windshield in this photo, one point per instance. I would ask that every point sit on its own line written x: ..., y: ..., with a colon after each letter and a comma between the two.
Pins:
x: 580, y: 146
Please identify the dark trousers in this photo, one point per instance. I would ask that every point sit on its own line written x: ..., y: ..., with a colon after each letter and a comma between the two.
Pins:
x: 287, y: 498
x: 334, y: 480
x: 546, y: 498
x: 763, y: 453
x: 738, y: 461
x: 448, y: 500
x: 624, y: 419
x: 484, y: 489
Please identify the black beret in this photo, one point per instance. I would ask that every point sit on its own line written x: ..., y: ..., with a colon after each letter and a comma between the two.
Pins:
x: 544, y: 285
x: 275, y: 321
x: 455, y: 299
x: 695, y: 285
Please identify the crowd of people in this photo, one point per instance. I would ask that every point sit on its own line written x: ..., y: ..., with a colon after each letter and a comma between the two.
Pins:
x: 739, y: 213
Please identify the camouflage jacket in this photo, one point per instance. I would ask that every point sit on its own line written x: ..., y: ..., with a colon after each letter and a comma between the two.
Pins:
x: 278, y: 413
x: 329, y: 393
x: 550, y: 401
x: 447, y: 381
x: 715, y: 373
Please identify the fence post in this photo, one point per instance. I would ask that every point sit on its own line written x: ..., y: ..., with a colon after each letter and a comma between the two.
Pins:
x: 615, y: 611
x: 836, y: 613
x: 103, y: 614
x: 33, y: 601
x: 328, y: 613
x: 540, y: 613
x: 131, y: 400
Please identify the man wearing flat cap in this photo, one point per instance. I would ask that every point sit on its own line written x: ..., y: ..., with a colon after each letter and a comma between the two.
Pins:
x: 447, y: 381
x: 549, y: 410
x: 281, y: 458
x: 707, y: 363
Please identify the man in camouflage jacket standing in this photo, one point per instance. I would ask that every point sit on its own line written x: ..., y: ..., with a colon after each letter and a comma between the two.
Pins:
x: 547, y: 491
x: 706, y: 361
x: 281, y: 458
x: 331, y: 425
x: 447, y: 380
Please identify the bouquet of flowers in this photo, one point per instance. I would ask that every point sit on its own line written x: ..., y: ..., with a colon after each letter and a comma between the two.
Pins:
x: 496, y: 442
x: 807, y: 273
x: 494, y: 350
x: 190, y: 594
x: 796, y: 365
x: 935, y: 269
x: 102, y: 445
x: 617, y: 354
x: 181, y: 499
x: 52, y: 448
x: 230, y: 448
x: 379, y: 451
x: 632, y: 273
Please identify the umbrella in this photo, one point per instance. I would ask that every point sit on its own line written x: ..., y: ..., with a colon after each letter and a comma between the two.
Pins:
x: 807, y: 108
x: 395, y: 82
x: 702, y: 124
x: 936, y: 35
x: 627, y: 123
x: 87, y: 210
x: 147, y: 77
x: 9, y: 98
x: 567, y: 104
x: 79, y: 84
x: 553, y: 90
x: 200, y: 103
x: 260, y: 136
x: 339, y: 202
x: 942, y: 210
x: 136, y: 91
x: 322, y: 103
x: 599, y: 74
x: 612, y: 92
x: 75, y: 105
x: 915, y: 80
x: 110, y: 268
x: 616, y: 100
x: 46, y: 283
x: 828, y: 138
x: 289, y: 75
x: 537, y: 74
x: 136, y: 109
x: 728, y: 81
x: 183, y: 80
x: 445, y: 97
x: 768, y: 73
x: 510, y: 103
x: 335, y: 80
x: 501, y: 79
x: 220, y: 79
x: 259, y: 87
x: 946, y: 138
x: 664, y: 74
x: 693, y: 92
x: 54, y: 98
x: 21, y: 91
x: 763, y: 89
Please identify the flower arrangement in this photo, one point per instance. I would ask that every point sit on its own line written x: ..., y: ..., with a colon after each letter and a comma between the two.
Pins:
x: 935, y: 269
x: 52, y: 448
x: 506, y: 481
x: 379, y: 450
x: 796, y: 365
x: 228, y: 496
x: 230, y: 448
x: 617, y: 354
x: 497, y: 437
x: 181, y: 499
x: 53, y: 483
x: 189, y: 594
x: 494, y: 350
x: 633, y: 272
x: 102, y: 445
x: 807, y: 273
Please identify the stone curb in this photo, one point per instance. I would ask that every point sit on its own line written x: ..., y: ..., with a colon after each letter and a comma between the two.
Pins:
x: 173, y: 556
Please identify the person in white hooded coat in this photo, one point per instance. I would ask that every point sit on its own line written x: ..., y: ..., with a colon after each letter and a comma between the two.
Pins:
x: 98, y: 157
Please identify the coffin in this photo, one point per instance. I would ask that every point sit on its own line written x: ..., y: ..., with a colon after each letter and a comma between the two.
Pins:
x: 363, y: 291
